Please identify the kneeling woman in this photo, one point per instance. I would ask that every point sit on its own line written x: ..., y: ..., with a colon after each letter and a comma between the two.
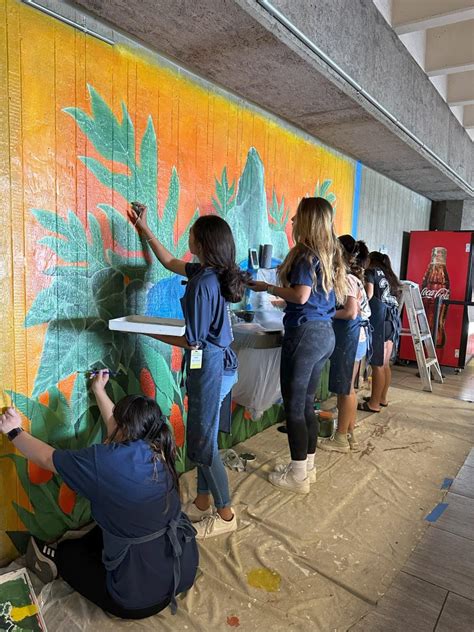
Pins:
x: 143, y: 551
x: 351, y: 328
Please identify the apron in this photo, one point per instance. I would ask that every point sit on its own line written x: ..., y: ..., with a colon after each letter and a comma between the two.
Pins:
x: 377, y: 321
x: 204, y: 389
x: 347, y: 334
x: 121, y: 547
x: 393, y: 315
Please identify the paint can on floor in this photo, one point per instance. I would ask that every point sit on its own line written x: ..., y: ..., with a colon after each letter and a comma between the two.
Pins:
x: 327, y: 423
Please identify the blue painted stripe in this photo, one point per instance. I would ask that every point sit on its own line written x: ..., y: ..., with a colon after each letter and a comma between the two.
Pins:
x: 355, y: 205
x: 437, y: 512
x: 446, y: 484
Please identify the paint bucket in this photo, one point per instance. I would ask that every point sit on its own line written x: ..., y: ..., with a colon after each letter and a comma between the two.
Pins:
x: 327, y: 424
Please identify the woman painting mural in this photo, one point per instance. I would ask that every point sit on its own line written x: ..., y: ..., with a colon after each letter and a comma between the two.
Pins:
x: 211, y: 365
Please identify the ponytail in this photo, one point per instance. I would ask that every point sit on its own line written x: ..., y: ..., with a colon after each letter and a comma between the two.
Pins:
x: 382, y: 261
x: 232, y: 283
x: 164, y: 449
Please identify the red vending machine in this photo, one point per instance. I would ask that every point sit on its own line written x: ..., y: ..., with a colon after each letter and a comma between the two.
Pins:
x: 442, y: 263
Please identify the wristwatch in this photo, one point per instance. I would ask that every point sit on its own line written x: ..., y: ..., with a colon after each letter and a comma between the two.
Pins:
x: 13, y: 434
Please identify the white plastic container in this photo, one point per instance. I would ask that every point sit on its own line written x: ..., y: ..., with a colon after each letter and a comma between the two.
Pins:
x: 136, y: 324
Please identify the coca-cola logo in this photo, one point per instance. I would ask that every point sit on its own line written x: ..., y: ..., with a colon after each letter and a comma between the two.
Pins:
x: 442, y: 292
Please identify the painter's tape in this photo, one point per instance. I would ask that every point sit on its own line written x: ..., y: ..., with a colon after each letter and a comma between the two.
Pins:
x: 437, y: 512
x: 446, y: 484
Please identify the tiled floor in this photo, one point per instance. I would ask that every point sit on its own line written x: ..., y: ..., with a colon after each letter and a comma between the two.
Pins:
x: 456, y: 385
x: 434, y: 592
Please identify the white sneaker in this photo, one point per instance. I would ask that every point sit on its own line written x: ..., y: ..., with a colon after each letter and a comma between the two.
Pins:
x: 311, y: 473
x: 194, y: 513
x: 284, y: 478
x: 214, y: 525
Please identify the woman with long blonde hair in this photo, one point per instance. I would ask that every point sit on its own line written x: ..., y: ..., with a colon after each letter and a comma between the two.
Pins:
x: 312, y: 278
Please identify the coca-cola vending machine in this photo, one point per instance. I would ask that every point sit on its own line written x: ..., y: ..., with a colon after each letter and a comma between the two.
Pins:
x: 442, y: 263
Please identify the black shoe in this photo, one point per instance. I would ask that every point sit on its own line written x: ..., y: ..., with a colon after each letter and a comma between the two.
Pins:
x: 40, y: 558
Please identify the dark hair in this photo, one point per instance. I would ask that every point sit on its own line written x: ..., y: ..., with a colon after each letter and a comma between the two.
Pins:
x: 215, y: 239
x: 350, y: 253
x: 362, y: 256
x: 139, y: 417
x: 379, y: 260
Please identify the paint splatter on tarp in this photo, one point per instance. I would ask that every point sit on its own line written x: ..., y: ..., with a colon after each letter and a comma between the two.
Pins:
x: 265, y: 579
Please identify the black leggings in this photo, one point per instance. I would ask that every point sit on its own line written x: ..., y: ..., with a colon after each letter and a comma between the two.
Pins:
x: 304, y: 353
x: 79, y: 563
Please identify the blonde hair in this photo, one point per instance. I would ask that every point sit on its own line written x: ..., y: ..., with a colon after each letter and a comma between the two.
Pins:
x: 313, y: 234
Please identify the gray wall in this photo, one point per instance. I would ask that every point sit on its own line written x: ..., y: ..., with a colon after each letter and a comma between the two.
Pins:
x: 468, y: 215
x: 386, y: 210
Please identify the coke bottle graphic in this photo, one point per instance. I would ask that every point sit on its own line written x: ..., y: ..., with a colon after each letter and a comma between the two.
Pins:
x: 436, y: 285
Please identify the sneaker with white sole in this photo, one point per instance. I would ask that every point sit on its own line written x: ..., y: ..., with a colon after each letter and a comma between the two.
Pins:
x: 311, y: 473
x: 284, y: 478
x: 40, y: 560
x: 194, y: 513
x: 214, y: 525
x: 337, y: 443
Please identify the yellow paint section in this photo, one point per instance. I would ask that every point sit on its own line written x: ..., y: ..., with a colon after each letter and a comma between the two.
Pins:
x: 20, y: 613
x: 264, y: 579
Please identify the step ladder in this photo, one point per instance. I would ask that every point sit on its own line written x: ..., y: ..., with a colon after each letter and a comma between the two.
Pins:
x: 419, y: 330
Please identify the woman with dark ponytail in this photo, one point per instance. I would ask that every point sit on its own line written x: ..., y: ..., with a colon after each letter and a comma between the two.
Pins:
x: 211, y: 370
x: 384, y: 291
x: 143, y: 551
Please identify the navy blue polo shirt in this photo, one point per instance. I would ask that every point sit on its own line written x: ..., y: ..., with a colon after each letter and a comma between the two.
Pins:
x: 207, y: 313
x: 319, y: 305
x: 127, y: 500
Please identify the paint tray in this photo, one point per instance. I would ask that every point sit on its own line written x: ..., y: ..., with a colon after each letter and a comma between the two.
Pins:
x: 19, y: 607
x: 148, y: 325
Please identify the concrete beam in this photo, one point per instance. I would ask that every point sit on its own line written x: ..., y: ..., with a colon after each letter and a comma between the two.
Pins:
x: 468, y: 118
x: 461, y: 88
x: 242, y: 46
x: 417, y: 15
x: 450, y: 49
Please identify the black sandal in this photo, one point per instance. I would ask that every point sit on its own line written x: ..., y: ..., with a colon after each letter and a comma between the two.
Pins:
x: 366, y: 408
x: 367, y: 399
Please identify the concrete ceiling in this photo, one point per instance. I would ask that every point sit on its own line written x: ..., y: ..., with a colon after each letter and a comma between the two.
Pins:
x: 239, y: 45
x: 440, y: 36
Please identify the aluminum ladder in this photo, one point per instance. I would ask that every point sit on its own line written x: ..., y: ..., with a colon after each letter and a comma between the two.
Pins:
x: 419, y: 330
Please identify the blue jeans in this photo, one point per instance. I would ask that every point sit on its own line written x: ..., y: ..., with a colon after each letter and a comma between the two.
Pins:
x: 213, y: 478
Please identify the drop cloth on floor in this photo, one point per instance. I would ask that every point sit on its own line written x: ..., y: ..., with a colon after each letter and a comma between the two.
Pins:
x: 335, y: 550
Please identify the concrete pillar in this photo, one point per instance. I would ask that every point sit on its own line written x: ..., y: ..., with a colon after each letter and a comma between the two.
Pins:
x: 468, y: 215
x: 446, y: 215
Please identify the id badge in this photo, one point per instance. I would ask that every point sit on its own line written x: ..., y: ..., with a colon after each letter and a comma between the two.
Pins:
x: 196, y: 359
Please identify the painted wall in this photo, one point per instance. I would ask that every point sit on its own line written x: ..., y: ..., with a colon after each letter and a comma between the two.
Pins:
x: 85, y: 128
x: 385, y: 210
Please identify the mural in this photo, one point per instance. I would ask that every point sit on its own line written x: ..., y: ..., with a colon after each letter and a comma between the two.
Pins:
x: 85, y: 132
